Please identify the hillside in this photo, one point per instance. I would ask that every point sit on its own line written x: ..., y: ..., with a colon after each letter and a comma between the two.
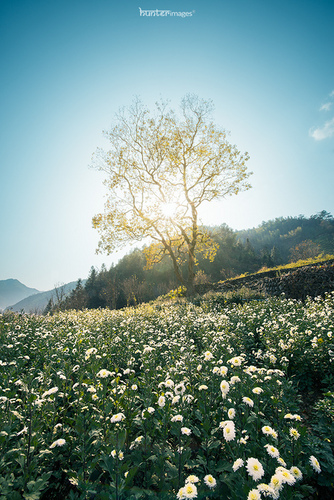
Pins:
x: 37, y: 303
x: 274, y: 243
x: 12, y: 291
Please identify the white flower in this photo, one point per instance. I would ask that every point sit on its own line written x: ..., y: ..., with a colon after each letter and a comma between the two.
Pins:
x: 229, y: 430
x: 223, y: 371
x: 236, y: 361
x: 231, y: 413
x: 237, y: 464
x: 315, y: 464
x: 185, y: 430
x: 103, y: 373
x: 267, y: 490
x: 257, y: 390
x: 273, y: 452
x: 266, y: 429
x: 297, y: 473
x: 276, y: 482
x: 254, y: 495
x: 234, y: 379
x: 134, y: 387
x: 169, y: 383
x: 203, y: 387
x: 180, y: 494
x: 224, y: 387
x: 281, y: 461
x: 208, y: 355
x: 177, y: 418
x: 58, y: 442
x: 248, y: 401
x: 118, y: 417
x: 210, y: 481
x: 180, y: 388
x: 162, y: 401
x: 189, y: 490
x: 286, y: 475
x: 254, y: 468
x: 192, y: 479
x: 53, y: 390
x: 294, y: 433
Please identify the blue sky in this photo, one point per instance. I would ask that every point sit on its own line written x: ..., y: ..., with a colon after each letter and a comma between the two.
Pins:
x: 67, y: 66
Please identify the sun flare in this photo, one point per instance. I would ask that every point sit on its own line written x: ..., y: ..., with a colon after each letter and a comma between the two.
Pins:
x: 168, y: 209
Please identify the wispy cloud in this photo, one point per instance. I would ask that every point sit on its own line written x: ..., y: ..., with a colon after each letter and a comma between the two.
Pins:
x: 320, y: 133
x: 326, y: 107
x: 327, y: 129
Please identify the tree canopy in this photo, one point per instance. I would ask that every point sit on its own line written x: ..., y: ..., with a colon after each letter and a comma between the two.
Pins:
x: 161, y: 167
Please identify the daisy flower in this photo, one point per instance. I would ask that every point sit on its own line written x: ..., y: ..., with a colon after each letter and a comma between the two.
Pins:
x: 294, y: 433
x: 118, y: 417
x: 223, y: 371
x: 254, y: 468
x: 186, y: 431
x: 189, y: 491
x: 231, y: 413
x: 224, y: 387
x: 273, y: 452
x: 266, y: 490
x: 103, y: 373
x: 229, y: 430
x: 162, y: 401
x: 254, y: 495
x: 286, y: 475
x: 257, y: 390
x: 315, y: 464
x: 248, y: 401
x: 192, y: 479
x: 177, y: 418
x: 58, y: 442
x: 237, y: 464
x: 210, y: 481
x: 297, y: 473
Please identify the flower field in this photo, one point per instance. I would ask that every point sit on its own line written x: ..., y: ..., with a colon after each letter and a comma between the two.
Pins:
x: 170, y: 400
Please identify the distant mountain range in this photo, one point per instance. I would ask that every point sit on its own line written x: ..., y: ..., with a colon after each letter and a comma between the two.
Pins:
x: 20, y: 298
x: 12, y: 291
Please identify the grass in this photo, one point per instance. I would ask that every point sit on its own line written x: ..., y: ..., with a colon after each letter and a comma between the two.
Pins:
x: 286, y: 267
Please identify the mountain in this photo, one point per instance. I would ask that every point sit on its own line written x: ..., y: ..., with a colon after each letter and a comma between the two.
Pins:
x: 12, y: 291
x: 37, y: 303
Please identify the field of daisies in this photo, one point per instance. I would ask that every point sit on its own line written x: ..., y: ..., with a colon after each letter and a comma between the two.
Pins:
x: 170, y: 400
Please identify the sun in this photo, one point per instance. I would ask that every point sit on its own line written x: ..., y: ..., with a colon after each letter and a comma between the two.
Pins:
x: 168, y: 209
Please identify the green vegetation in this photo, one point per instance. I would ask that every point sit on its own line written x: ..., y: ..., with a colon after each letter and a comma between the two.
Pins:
x: 291, y: 265
x: 271, y: 246
x: 169, y: 400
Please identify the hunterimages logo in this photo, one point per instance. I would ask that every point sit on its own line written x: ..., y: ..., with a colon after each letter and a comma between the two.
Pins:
x: 164, y: 13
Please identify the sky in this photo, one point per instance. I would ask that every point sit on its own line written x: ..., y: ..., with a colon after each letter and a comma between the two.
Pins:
x: 67, y: 66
